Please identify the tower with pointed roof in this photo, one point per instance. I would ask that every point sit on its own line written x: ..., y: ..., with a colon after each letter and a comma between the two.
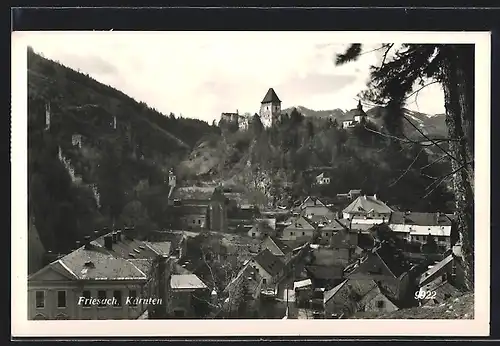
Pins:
x: 270, y: 108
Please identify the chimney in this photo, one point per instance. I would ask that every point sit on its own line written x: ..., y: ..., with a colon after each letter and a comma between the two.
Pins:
x: 119, y: 235
x: 87, y: 242
x: 108, y: 242
x: 78, y: 244
x: 375, y: 196
x: 113, y: 236
x: 96, y: 233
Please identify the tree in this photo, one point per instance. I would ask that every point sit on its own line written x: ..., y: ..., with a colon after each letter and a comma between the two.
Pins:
x: 413, y: 67
x: 135, y: 215
x: 430, y: 246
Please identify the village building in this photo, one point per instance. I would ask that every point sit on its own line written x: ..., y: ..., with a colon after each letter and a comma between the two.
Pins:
x: 385, y: 265
x: 299, y: 228
x: 417, y: 227
x: 367, y: 210
x: 269, y: 267
x: 263, y: 228
x: 278, y: 248
x: 243, y: 291
x: 270, y: 108
x: 377, y: 300
x: 322, y: 179
x: 199, y: 208
x: 112, y: 277
x: 358, y: 116
x: 344, y: 299
x: 187, y: 291
x: 324, y: 276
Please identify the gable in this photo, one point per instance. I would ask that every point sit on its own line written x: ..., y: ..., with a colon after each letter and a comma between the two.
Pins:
x: 388, y: 304
x: 52, y: 272
x: 372, y: 265
x: 271, y: 246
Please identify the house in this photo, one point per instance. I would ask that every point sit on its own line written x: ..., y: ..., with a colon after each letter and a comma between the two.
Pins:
x: 178, y: 241
x: 109, y: 278
x: 318, y: 213
x: 187, y: 291
x: 345, y: 298
x: 263, y: 228
x: 76, y: 140
x: 449, y: 269
x: 299, y: 228
x: 322, y: 179
x: 311, y: 201
x: 417, y: 227
x: 200, y: 208
x: 387, y: 266
x: 377, y: 301
x: 367, y: 210
x: 277, y: 248
x: 303, y: 290
x: 358, y: 117
x: 268, y: 266
x: 335, y: 249
x: 270, y: 108
x: 438, y: 292
x: 244, y: 288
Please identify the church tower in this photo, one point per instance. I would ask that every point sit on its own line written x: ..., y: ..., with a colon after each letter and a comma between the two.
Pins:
x: 270, y: 108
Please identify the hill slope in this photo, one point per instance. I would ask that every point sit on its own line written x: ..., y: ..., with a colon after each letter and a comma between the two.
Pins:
x: 100, y: 146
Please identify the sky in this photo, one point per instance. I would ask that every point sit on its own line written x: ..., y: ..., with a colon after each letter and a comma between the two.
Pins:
x: 202, y: 74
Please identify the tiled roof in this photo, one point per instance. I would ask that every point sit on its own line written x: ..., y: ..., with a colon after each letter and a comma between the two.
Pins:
x: 325, y: 272
x: 330, y: 293
x: 266, y: 223
x: 124, y: 247
x: 365, y: 204
x: 311, y: 199
x: 281, y: 245
x: 299, y: 223
x: 192, y: 209
x: 97, y: 265
x: 269, y: 262
x: 161, y: 248
x: 194, y: 192
x: 435, y: 271
x: 186, y: 281
x: 270, y: 96
x: 393, y: 259
x: 420, y: 219
x: 334, y: 225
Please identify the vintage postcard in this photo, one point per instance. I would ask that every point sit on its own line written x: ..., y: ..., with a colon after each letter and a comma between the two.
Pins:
x: 250, y: 183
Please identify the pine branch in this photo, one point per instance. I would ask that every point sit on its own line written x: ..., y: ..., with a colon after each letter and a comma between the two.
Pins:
x: 407, y: 169
x: 442, y: 179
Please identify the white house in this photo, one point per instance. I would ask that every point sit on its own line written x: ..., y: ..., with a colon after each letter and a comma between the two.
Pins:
x: 321, y: 179
x: 417, y: 227
x: 268, y: 266
x: 299, y: 228
x: 367, y: 210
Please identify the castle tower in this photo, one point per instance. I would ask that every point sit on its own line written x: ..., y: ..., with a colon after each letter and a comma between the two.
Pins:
x: 270, y: 108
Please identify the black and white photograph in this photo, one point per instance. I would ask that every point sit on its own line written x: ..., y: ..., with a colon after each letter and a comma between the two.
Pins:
x: 256, y: 176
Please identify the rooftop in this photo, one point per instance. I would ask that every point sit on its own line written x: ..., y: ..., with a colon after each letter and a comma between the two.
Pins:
x: 420, y: 219
x: 270, y: 97
x: 186, y: 281
x: 366, y: 204
x: 194, y: 192
x: 269, y: 262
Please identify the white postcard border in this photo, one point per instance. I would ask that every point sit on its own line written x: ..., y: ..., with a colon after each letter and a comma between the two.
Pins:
x: 479, y: 326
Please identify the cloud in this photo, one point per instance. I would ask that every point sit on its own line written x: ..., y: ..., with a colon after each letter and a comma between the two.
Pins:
x: 201, y: 74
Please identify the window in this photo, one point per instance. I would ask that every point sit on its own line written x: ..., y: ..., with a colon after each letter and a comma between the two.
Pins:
x: 40, y: 299
x: 199, y: 222
x: 101, y: 296
x: 61, y: 299
x: 86, y: 300
x: 194, y: 221
x: 380, y: 304
x: 117, y: 295
x: 132, y: 297
x: 264, y: 281
x: 253, y: 234
x: 303, y: 233
x: 292, y: 233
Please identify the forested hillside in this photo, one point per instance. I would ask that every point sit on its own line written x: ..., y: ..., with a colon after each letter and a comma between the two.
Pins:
x: 94, y: 153
x: 295, y: 150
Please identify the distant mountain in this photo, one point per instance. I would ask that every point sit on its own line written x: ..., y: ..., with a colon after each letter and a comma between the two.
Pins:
x: 432, y: 125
